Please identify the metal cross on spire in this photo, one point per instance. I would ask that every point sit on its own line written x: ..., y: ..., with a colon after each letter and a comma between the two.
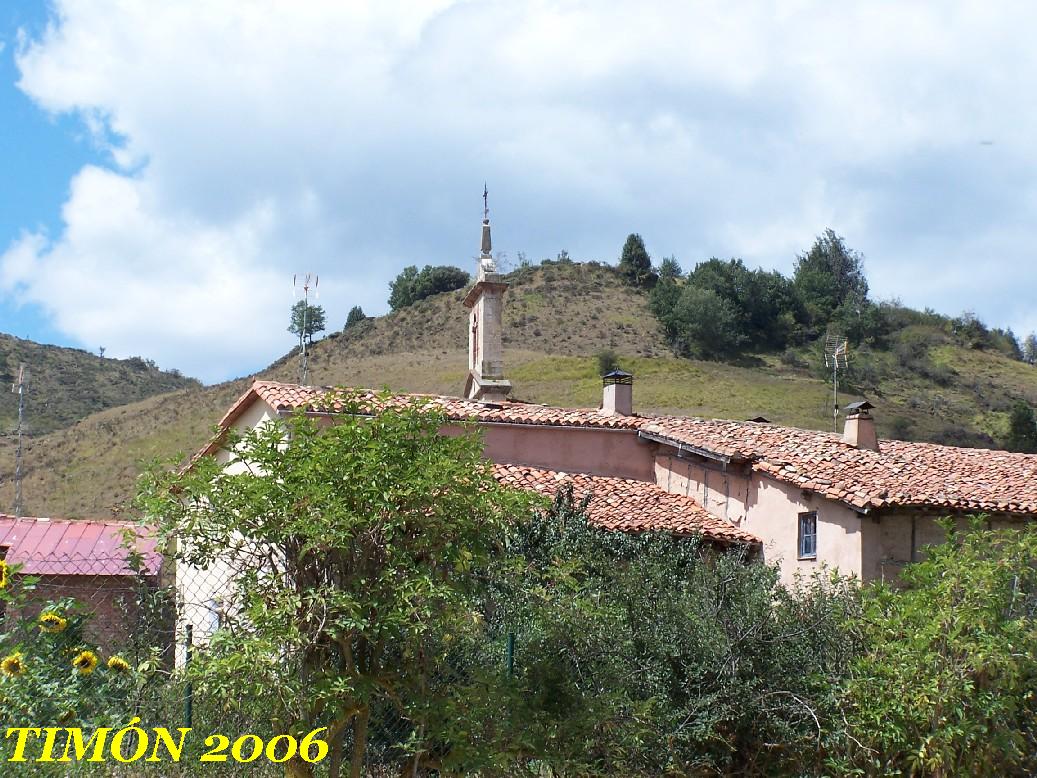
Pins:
x: 485, y: 202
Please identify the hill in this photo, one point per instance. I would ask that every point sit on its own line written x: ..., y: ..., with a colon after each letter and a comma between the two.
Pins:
x: 65, y: 385
x: 558, y: 316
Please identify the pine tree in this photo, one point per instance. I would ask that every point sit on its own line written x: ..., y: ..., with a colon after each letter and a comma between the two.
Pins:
x: 356, y: 315
x: 635, y: 265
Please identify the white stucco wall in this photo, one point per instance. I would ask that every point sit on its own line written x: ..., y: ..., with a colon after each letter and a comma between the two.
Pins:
x: 203, y: 594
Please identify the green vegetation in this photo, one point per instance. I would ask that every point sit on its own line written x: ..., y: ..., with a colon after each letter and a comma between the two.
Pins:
x: 946, y: 686
x: 413, y: 285
x: 928, y: 381
x: 722, y: 310
x: 65, y: 385
x: 1022, y: 429
x: 50, y: 673
x: 358, y: 550
x: 608, y: 361
x: 307, y: 320
x: 829, y: 280
x: 635, y: 265
x: 356, y: 315
x: 643, y: 655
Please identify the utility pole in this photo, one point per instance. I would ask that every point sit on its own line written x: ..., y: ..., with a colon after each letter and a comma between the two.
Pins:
x: 307, y: 280
x: 19, y: 389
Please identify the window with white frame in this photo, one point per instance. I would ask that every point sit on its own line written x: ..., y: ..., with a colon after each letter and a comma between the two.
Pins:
x: 808, y: 535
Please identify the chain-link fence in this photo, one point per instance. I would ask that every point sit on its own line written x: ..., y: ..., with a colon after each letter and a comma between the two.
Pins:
x: 141, y: 623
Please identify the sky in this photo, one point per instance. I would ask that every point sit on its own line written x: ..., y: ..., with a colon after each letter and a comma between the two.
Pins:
x: 167, y: 168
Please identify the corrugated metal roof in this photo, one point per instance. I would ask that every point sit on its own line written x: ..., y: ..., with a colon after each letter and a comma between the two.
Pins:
x: 63, y: 547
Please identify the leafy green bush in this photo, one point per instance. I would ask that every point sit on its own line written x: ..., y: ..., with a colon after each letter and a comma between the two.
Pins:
x: 947, y: 685
x: 650, y: 655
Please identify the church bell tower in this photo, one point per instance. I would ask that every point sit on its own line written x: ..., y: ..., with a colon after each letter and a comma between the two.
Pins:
x: 485, y: 304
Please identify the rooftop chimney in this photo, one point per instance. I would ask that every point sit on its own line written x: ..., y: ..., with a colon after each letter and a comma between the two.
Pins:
x: 618, y: 394
x: 859, y: 431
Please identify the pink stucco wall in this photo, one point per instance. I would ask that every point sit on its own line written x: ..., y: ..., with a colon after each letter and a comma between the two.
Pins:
x: 723, y: 492
x: 770, y: 510
x: 617, y: 453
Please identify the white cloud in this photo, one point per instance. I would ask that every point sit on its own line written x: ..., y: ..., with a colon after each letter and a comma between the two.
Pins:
x: 254, y: 140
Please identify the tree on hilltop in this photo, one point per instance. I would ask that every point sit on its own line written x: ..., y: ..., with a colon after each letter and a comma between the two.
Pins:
x: 1030, y: 349
x: 635, y: 265
x: 307, y: 320
x: 828, y: 276
x: 356, y: 315
x: 412, y: 285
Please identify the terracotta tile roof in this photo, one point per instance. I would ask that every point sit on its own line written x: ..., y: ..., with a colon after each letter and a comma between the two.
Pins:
x: 627, y: 505
x: 288, y: 397
x: 900, y: 474
x: 60, y: 547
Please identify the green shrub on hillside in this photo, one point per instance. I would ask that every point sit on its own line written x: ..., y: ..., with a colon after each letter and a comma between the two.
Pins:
x: 413, y: 285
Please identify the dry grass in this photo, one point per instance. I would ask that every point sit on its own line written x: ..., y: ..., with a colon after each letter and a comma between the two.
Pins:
x: 67, y: 384
x: 557, y: 318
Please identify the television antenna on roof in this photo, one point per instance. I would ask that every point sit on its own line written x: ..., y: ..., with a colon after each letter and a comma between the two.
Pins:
x: 837, y: 357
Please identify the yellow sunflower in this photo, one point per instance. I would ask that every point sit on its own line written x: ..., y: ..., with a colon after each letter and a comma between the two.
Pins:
x: 13, y: 664
x: 52, y: 622
x: 85, y: 662
x: 3, y: 574
x: 118, y: 664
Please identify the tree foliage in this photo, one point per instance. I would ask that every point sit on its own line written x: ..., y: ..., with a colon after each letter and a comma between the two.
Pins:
x: 353, y: 553
x: 1029, y: 349
x: 764, y: 303
x: 947, y: 685
x: 828, y: 276
x: 669, y: 269
x: 1022, y: 429
x: 642, y: 655
x: 607, y: 360
x: 704, y: 324
x: 355, y: 316
x: 307, y: 320
x: 413, y: 285
x: 635, y: 265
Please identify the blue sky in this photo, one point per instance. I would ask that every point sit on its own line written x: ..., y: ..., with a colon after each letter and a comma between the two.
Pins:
x: 169, y: 167
x: 41, y: 153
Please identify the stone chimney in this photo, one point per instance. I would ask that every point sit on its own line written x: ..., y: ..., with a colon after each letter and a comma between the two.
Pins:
x: 485, y: 303
x: 617, y: 394
x: 859, y: 431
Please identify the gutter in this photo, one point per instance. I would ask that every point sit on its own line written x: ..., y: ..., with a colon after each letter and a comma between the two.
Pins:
x: 703, y: 452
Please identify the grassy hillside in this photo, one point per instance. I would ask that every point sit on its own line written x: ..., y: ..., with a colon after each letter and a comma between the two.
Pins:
x: 557, y: 318
x: 65, y: 384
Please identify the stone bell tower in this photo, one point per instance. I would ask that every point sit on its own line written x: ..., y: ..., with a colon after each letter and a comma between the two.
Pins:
x: 485, y: 303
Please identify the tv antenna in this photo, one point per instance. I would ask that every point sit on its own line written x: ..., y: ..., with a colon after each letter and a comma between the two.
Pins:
x: 307, y: 281
x: 19, y: 389
x: 837, y: 357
